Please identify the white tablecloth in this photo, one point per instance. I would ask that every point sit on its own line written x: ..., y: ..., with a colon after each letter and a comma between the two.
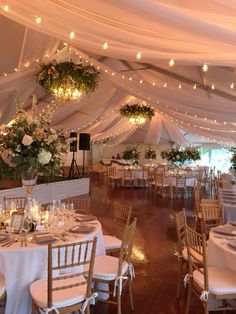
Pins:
x: 22, y: 266
x: 136, y: 174
x: 220, y: 254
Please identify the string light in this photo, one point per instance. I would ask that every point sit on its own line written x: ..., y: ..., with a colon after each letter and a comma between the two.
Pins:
x: 232, y: 86
x: 38, y: 20
x: 105, y: 45
x: 6, y: 8
x: 213, y: 86
x: 205, y: 67
x: 180, y: 86
x: 171, y: 62
x: 72, y: 35
x: 165, y: 85
x: 195, y: 86
x: 139, y: 55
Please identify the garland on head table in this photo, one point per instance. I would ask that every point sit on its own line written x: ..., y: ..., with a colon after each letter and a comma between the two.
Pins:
x: 108, y: 164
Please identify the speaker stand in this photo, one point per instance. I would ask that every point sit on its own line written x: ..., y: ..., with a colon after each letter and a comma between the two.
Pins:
x: 74, y: 170
x: 83, y: 164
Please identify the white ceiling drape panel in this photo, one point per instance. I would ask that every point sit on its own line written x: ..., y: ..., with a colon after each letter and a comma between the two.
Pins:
x: 162, y: 29
x: 154, y: 132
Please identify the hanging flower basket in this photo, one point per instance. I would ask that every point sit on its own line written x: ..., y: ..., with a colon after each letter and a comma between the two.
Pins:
x: 150, y: 154
x: 67, y: 80
x: 137, y: 113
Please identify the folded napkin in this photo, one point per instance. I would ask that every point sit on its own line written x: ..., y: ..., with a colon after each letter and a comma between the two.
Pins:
x: 228, y: 230
x: 44, y: 238
x: 82, y: 229
x: 3, y: 237
x: 80, y: 217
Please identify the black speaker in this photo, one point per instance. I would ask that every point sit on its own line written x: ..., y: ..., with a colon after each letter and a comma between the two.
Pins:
x: 73, y: 144
x: 84, y: 141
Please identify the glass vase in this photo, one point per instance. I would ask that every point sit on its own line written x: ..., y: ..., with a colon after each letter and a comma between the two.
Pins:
x: 29, y: 179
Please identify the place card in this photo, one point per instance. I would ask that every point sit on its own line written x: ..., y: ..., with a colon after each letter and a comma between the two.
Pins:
x: 39, y: 228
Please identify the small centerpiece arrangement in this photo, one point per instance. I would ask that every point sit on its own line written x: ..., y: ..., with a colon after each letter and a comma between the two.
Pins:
x: 181, y: 155
x: 136, y: 113
x: 131, y: 154
x: 233, y: 160
x: 67, y: 80
x: 29, y: 146
x: 150, y: 154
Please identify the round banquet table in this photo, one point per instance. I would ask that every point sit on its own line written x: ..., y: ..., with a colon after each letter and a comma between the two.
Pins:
x: 23, y: 265
x: 219, y: 253
x: 136, y: 174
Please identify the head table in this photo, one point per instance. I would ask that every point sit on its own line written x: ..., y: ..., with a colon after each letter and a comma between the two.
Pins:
x: 23, y: 265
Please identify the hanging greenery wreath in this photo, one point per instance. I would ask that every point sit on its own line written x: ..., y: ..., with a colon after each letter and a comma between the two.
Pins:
x: 137, y: 111
x: 67, y: 80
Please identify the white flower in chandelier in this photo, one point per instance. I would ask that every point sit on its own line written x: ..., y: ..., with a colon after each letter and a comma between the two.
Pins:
x: 18, y: 149
x: 177, y: 157
x: 27, y: 140
x: 44, y: 157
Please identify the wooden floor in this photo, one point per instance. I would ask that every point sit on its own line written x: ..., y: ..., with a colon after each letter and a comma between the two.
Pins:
x: 156, y: 267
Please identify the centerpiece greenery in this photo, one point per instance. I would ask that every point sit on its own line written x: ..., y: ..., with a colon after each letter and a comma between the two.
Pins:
x: 132, y: 154
x: 67, y: 80
x: 233, y: 159
x: 180, y: 155
x: 150, y: 153
x: 29, y: 144
x: 137, y: 113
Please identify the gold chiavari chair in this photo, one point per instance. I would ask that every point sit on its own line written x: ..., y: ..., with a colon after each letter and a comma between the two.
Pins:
x: 212, y: 216
x: 207, y: 282
x: 71, y: 291
x: 143, y: 180
x: 161, y: 185
x: 116, y: 272
x: 180, y: 186
x: 112, y: 178
x: 81, y: 205
x: 128, y: 179
x: 19, y: 201
x: 180, y: 220
x: 121, y: 219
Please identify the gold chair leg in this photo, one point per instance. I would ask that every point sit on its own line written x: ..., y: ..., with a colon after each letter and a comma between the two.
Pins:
x: 180, y: 278
x: 188, y: 298
x: 118, y: 302
x: 206, y: 309
x: 131, y: 293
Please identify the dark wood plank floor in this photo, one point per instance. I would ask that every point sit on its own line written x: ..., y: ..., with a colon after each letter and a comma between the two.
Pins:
x: 156, y: 267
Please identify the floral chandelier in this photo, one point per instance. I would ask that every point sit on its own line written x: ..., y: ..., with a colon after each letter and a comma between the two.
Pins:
x: 68, y: 81
x: 136, y: 113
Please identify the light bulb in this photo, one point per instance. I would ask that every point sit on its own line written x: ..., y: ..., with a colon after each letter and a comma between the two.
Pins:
x: 38, y: 20
x: 205, y: 67
x: 105, y: 45
x: 171, y: 62
x: 139, y: 55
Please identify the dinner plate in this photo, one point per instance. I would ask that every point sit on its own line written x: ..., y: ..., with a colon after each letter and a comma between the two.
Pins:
x: 82, y: 229
x: 232, y: 243
x: 225, y: 230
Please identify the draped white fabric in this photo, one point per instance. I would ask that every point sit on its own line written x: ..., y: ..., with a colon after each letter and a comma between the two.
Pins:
x: 189, y: 32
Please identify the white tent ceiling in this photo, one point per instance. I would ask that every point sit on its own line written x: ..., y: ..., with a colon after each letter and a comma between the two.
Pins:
x: 191, y: 33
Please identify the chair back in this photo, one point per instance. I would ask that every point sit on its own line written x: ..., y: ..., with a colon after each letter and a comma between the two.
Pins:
x: 81, y: 205
x: 128, y: 174
x: 122, y: 213
x: 127, y: 245
x: 212, y: 216
x: 68, y: 256
x: 197, y: 258
x: 19, y: 202
x: 180, y: 219
x: 180, y: 182
x: 111, y: 172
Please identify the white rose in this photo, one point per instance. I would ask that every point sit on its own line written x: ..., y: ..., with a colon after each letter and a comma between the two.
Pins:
x: 44, y: 157
x: 27, y: 140
x: 51, y: 138
x: 178, y: 157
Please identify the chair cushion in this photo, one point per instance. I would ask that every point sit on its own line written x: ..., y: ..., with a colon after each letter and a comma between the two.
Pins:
x: 106, y: 267
x: 61, y: 298
x: 2, y: 285
x: 197, y: 256
x: 111, y: 242
x: 221, y: 281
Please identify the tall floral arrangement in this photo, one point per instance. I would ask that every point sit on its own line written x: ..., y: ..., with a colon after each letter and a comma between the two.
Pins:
x: 28, y: 143
x: 131, y: 153
x: 233, y: 159
x: 180, y: 155
x: 150, y: 153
